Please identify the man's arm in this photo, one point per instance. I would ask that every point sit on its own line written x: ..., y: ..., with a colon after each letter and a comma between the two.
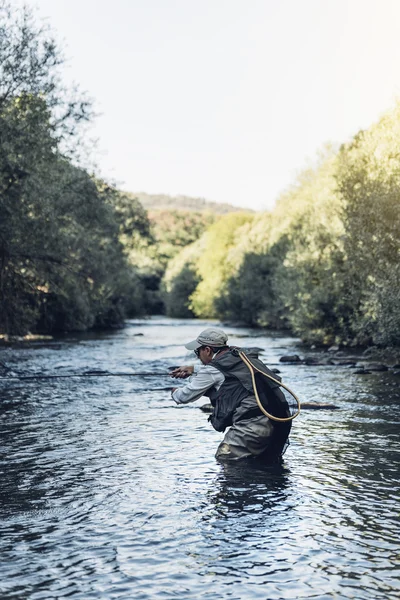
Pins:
x: 206, y: 378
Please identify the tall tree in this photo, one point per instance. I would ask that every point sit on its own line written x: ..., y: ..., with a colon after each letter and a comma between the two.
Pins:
x: 62, y: 264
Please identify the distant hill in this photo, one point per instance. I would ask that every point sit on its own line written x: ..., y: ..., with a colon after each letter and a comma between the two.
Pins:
x: 165, y: 202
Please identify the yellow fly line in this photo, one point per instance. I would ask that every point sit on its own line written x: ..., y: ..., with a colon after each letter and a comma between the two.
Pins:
x: 253, y: 368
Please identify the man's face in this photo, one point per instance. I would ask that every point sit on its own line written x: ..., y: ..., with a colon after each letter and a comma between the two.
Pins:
x: 205, y: 354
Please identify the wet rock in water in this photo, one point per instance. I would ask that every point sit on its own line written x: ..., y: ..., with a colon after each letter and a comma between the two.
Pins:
x: 137, y: 334
x: 377, y: 367
x: 361, y: 371
x: 310, y: 360
x: 290, y: 358
x: 326, y: 361
x: 207, y: 408
x: 370, y: 351
x: 333, y: 348
x: 346, y: 363
x: 318, y: 406
x: 275, y: 370
x: 256, y: 349
x: 370, y: 366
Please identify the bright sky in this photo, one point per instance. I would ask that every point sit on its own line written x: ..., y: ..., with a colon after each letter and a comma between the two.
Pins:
x: 227, y: 99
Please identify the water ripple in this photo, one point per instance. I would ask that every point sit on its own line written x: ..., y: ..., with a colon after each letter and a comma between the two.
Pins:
x: 111, y: 491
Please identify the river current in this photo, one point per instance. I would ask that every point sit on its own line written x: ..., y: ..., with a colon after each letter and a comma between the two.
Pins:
x: 111, y: 491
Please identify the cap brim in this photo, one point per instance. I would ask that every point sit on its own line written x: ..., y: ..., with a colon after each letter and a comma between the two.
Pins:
x: 193, y: 345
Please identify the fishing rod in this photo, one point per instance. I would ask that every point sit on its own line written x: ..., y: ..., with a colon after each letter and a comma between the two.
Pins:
x: 205, y: 408
x: 79, y: 375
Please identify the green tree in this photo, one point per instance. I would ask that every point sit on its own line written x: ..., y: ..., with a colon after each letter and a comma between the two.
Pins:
x: 62, y: 265
x: 216, y: 262
x: 172, y: 230
x: 251, y: 294
x: 369, y: 182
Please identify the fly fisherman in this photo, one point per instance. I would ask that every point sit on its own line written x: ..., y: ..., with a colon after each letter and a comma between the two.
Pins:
x: 226, y: 380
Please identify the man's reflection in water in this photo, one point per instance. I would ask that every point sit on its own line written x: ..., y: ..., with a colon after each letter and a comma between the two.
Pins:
x: 250, y: 487
x: 247, y: 523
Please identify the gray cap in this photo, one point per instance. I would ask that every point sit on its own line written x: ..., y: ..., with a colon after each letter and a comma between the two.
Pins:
x: 213, y: 336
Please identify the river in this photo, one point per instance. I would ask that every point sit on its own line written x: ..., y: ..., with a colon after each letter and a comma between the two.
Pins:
x: 111, y: 491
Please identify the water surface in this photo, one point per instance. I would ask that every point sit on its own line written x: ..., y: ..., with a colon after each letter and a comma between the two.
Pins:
x: 109, y: 490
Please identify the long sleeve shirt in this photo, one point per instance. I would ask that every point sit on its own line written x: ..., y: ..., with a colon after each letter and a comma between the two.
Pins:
x: 203, y: 378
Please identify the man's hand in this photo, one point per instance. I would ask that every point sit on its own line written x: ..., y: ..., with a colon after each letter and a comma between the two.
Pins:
x: 182, y: 372
x: 172, y: 395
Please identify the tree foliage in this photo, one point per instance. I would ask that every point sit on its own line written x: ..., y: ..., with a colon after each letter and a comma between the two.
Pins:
x: 62, y: 264
x: 326, y: 261
x: 181, y: 280
x: 369, y: 183
x: 209, y: 261
x: 172, y: 230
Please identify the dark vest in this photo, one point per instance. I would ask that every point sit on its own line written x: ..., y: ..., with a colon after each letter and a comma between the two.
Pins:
x: 238, y: 386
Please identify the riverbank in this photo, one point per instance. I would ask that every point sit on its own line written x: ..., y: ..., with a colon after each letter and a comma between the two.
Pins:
x: 369, y: 359
x: 308, y: 354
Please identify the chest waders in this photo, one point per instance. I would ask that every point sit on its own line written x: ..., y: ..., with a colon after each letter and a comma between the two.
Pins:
x: 247, y: 378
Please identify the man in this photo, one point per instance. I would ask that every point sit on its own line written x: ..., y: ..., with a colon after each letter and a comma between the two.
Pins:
x: 226, y: 380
